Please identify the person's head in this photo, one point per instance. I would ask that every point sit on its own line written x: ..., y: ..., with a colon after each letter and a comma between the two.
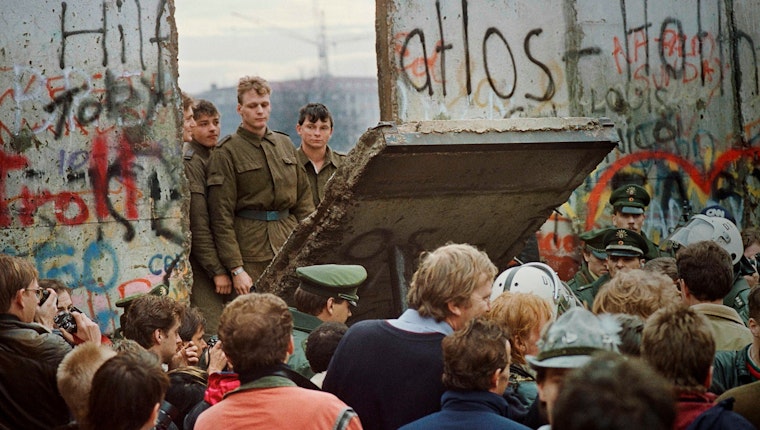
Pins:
x: 678, y: 343
x: 477, y: 357
x: 75, y: 373
x: 206, y: 130
x: 631, y: 327
x: 63, y: 292
x: 328, y: 291
x: 192, y: 328
x: 705, y: 270
x: 754, y: 314
x: 665, y: 265
x: 625, y: 250
x: 255, y: 330
x: 321, y: 344
x: 523, y: 316
x: 629, y: 204
x: 127, y: 391
x: 315, y: 126
x: 153, y: 322
x: 452, y: 284
x: 19, y: 292
x: 614, y: 393
x: 539, y: 279
x: 188, y: 121
x: 593, y: 251
x: 751, y: 242
x: 568, y: 343
x: 636, y: 292
x: 187, y: 385
x: 254, y: 105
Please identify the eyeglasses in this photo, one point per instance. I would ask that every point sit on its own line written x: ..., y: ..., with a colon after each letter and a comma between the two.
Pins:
x: 37, y: 292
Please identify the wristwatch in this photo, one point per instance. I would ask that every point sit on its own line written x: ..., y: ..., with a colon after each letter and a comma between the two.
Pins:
x: 238, y: 271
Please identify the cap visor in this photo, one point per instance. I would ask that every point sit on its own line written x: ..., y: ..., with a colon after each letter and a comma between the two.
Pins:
x: 563, y: 362
x: 631, y: 210
x: 599, y: 254
x: 624, y: 253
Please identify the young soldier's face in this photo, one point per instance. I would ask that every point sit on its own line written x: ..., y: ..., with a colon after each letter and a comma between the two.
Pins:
x: 616, y: 263
x: 314, y: 134
x: 206, y: 131
x: 254, y: 110
x: 188, y: 124
x: 630, y: 221
x: 596, y: 266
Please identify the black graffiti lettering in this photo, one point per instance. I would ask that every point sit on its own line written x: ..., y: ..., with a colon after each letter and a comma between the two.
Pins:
x: 442, y: 47
x: 490, y: 32
x: 616, y: 101
x: 65, y: 100
x: 405, y: 49
x: 65, y: 34
x: 88, y: 111
x: 550, y: 90
x: 466, y: 34
x: 678, y: 70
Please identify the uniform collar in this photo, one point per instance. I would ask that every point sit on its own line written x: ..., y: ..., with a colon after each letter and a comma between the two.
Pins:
x: 255, y: 139
x: 330, y: 157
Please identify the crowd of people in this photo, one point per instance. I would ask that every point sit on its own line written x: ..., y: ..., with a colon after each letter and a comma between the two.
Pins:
x: 643, y: 336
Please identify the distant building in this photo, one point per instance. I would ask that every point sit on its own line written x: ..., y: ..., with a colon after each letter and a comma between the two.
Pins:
x: 353, y: 102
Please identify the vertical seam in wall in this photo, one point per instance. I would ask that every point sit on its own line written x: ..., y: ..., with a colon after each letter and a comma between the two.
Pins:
x: 572, y: 49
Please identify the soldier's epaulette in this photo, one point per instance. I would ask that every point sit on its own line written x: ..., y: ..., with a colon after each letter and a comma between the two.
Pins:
x: 224, y: 140
x: 189, y: 153
x: 280, y: 132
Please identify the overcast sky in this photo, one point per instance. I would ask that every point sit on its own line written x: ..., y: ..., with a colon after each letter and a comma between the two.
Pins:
x: 222, y: 40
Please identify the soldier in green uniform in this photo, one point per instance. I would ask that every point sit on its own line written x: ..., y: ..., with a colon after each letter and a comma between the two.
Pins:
x: 315, y: 126
x: 257, y: 190
x: 326, y: 293
x: 211, y: 281
x: 625, y: 251
x: 629, y: 204
x: 594, y: 262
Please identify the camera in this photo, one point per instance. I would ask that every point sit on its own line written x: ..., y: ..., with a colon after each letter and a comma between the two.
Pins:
x: 45, y: 295
x: 212, y: 341
x: 65, y: 321
x: 166, y: 415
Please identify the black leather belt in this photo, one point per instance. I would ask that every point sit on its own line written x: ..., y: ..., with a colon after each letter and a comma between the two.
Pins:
x: 263, y: 215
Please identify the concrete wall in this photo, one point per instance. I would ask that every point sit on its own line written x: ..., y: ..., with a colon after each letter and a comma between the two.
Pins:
x: 679, y: 79
x: 92, y: 185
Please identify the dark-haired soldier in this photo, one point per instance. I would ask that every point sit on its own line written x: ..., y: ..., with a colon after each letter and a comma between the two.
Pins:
x: 629, y: 205
x: 315, y: 126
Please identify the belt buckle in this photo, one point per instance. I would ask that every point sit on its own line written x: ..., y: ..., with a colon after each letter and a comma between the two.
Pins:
x: 272, y: 215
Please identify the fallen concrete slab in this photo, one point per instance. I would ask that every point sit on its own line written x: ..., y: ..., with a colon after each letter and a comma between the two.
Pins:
x: 411, y: 188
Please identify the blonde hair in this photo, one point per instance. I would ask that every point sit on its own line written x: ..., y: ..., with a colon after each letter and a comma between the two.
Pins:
x: 256, y: 83
x: 519, y: 314
x: 448, y: 274
x: 75, y: 373
x: 636, y: 292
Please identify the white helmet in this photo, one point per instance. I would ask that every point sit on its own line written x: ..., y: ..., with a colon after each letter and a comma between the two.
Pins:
x: 539, y: 279
x: 717, y: 229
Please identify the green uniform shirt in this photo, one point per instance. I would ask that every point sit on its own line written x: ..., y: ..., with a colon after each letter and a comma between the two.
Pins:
x: 582, y: 277
x: 202, y: 248
x: 333, y: 160
x: 250, y: 173
x: 586, y: 293
x: 303, y: 325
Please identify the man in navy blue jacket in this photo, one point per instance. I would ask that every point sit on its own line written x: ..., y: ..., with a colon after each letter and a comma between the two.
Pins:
x: 475, y: 374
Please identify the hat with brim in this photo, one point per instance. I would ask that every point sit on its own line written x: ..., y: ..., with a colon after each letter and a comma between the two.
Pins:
x: 635, y: 210
x: 561, y: 362
x: 630, y: 199
x: 594, y: 242
x: 333, y: 280
x: 622, y: 242
x: 158, y: 290
x: 598, y: 253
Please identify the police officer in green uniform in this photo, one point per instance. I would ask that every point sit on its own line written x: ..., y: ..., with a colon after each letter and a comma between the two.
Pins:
x: 315, y: 126
x: 257, y: 190
x: 629, y: 204
x: 594, y: 259
x: 625, y: 251
x: 326, y: 293
x: 211, y: 281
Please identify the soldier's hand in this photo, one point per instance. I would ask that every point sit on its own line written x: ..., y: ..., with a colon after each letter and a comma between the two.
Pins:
x: 242, y: 283
x: 223, y: 284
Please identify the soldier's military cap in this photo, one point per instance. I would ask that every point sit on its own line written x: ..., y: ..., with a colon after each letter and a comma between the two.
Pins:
x: 630, y: 199
x: 332, y: 280
x: 594, y: 242
x: 158, y: 290
x: 624, y: 243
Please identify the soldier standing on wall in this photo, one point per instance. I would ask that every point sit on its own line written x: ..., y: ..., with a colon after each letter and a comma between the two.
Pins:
x: 257, y: 191
x: 211, y: 281
x: 315, y: 126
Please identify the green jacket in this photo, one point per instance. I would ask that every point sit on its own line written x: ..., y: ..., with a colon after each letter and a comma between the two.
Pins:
x: 318, y: 181
x: 586, y: 293
x: 303, y: 324
x: 248, y: 173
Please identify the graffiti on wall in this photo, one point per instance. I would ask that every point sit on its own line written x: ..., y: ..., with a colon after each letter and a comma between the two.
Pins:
x: 679, y: 80
x: 90, y: 174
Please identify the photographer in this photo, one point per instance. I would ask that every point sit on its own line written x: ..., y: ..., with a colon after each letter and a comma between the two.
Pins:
x: 29, y: 352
